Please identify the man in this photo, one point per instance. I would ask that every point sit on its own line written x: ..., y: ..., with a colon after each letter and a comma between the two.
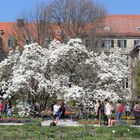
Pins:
x: 119, y: 110
x: 137, y: 113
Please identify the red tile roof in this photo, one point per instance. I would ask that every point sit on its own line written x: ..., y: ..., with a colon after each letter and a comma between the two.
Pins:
x: 120, y: 25
x: 123, y: 25
x: 7, y: 28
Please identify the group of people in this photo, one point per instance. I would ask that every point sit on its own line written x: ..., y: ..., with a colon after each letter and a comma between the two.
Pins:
x: 5, y: 107
x: 104, y: 111
x: 58, y: 112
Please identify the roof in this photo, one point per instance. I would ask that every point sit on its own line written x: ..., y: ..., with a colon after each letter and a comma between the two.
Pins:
x: 124, y: 25
x: 117, y: 25
x: 6, y: 26
x: 7, y: 30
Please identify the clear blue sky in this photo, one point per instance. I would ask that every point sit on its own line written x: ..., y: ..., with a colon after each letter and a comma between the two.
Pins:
x: 11, y: 9
x: 122, y: 6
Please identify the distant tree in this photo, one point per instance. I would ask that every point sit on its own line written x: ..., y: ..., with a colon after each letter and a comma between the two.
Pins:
x: 34, y: 26
x: 61, y: 19
x: 78, y: 18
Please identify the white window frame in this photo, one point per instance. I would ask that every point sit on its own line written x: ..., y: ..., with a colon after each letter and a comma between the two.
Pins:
x: 108, y: 43
x: 123, y: 43
x: 11, y: 42
x: 125, y: 83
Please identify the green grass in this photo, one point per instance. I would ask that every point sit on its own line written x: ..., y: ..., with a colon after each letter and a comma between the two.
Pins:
x: 34, y: 131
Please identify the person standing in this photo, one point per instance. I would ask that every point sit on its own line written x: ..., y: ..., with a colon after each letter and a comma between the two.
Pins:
x: 63, y: 109
x: 97, y: 109
x: 7, y: 107
x: 108, y: 111
x: 137, y: 113
x: 100, y: 111
x: 119, y: 110
x: 56, y: 109
x: 104, y: 116
x: 1, y: 108
x: 127, y: 109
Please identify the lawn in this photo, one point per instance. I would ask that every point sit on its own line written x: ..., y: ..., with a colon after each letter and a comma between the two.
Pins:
x: 34, y: 131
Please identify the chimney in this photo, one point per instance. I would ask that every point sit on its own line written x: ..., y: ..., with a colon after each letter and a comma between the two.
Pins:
x: 20, y: 22
x: 42, y: 23
x: 1, y: 32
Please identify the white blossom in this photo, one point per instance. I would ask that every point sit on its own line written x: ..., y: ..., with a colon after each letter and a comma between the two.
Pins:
x: 67, y: 69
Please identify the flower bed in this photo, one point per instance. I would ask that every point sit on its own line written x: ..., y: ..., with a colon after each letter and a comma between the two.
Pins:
x: 89, y: 122
x: 14, y: 120
x: 128, y: 117
x: 69, y: 113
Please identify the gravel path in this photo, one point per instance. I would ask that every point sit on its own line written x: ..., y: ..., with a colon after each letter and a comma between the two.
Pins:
x: 68, y: 122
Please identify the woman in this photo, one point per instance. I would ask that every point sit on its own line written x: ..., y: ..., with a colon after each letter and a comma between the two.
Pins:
x: 137, y: 113
x: 1, y: 108
x: 108, y: 112
x: 7, y: 107
x: 56, y: 109
x: 119, y: 111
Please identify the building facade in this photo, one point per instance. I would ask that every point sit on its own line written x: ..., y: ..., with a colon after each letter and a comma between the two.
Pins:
x: 123, y: 31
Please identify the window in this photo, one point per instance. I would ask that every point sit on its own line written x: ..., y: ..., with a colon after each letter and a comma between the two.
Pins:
x: 11, y: 42
x: 122, y: 43
x: 1, y: 43
x: 96, y: 43
x: 136, y: 42
x: 106, y: 28
x: 125, y: 83
x: 28, y: 41
x: 87, y: 43
x: 137, y: 28
x: 127, y: 57
x: 108, y: 44
x: 1, y: 32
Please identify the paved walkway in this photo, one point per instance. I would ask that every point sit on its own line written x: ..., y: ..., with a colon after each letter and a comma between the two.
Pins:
x: 68, y: 122
x: 7, y: 124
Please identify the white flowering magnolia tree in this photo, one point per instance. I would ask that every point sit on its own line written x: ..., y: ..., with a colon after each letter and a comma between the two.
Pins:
x: 68, y: 70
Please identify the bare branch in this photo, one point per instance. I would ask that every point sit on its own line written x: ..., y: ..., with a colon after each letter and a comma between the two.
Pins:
x: 36, y: 27
x: 77, y: 18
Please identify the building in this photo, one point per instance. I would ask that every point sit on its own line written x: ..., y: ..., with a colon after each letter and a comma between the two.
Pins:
x: 135, y: 56
x: 121, y: 31
x: 124, y: 31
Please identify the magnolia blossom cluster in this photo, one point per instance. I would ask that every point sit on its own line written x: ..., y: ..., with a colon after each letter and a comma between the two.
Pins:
x: 74, y: 93
x: 67, y: 69
x: 23, y: 108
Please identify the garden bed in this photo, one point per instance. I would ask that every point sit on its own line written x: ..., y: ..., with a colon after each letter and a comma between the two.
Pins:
x: 15, y: 120
x: 128, y: 117
x: 88, y: 122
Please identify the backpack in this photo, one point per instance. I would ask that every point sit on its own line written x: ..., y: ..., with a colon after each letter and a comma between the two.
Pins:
x: 121, y: 108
